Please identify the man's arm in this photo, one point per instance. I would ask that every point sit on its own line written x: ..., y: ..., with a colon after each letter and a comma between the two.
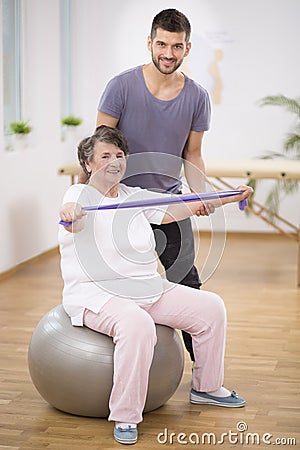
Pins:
x: 194, y: 168
x: 106, y: 119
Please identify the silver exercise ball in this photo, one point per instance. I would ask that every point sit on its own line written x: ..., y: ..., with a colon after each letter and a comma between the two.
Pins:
x: 72, y: 367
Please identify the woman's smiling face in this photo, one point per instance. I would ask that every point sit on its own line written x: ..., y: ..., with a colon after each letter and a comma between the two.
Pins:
x: 108, y: 163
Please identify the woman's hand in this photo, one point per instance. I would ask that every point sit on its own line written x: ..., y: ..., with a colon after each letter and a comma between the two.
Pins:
x: 207, y: 208
x: 72, y: 212
x: 246, y: 192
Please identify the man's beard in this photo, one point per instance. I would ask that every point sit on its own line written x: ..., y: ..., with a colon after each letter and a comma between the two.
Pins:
x: 166, y: 71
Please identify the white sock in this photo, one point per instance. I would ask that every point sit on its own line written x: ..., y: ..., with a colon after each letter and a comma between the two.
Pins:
x: 222, y: 392
x: 125, y: 425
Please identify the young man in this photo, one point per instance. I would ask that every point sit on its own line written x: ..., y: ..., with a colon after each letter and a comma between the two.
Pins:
x: 163, y: 115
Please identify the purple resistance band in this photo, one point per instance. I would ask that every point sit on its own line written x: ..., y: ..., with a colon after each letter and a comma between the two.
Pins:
x: 168, y: 200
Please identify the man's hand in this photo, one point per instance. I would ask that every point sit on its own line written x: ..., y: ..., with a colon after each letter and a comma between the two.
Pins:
x: 205, y: 209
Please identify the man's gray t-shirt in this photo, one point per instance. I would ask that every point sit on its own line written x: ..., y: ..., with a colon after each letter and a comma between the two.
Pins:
x: 156, y: 130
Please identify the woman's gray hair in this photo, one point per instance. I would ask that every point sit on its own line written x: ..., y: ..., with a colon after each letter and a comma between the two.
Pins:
x: 103, y: 133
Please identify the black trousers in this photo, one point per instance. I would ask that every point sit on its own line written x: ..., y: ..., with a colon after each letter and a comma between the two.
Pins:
x: 176, y: 251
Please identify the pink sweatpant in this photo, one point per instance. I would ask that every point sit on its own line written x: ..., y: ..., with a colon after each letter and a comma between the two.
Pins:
x: 200, y: 313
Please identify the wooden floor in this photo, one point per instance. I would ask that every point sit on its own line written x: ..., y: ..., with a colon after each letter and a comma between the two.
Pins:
x: 256, y: 278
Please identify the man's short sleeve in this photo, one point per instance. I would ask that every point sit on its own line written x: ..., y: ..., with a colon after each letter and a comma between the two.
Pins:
x: 112, y: 99
x: 202, y: 114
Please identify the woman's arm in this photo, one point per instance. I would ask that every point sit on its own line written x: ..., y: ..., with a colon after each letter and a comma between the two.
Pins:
x: 72, y: 212
x: 180, y: 211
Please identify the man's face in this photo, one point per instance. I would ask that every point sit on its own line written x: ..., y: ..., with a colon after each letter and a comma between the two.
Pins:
x: 168, y: 50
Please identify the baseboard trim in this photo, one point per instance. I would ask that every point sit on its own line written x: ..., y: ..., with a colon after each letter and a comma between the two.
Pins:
x: 204, y: 234
x: 34, y: 259
x: 244, y: 234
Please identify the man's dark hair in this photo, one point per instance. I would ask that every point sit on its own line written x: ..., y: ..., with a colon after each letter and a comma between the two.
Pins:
x: 173, y: 21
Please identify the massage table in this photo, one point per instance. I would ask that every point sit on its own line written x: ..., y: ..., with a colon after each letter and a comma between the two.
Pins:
x: 221, y: 170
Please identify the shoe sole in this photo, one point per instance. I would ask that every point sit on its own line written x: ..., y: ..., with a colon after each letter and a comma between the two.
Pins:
x: 215, y: 403
x: 121, y: 441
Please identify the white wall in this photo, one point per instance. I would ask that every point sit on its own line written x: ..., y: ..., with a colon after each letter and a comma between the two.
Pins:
x: 31, y: 191
x: 259, y: 39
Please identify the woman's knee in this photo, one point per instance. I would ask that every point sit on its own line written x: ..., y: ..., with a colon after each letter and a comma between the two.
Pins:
x: 210, y: 307
x: 217, y: 307
x: 138, y: 328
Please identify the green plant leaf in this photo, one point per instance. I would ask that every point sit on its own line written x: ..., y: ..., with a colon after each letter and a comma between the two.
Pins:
x: 252, y: 183
x: 289, y: 186
x: 292, y: 144
x: 272, y: 200
x: 291, y: 150
x: 292, y: 105
x: 21, y: 127
x: 71, y: 121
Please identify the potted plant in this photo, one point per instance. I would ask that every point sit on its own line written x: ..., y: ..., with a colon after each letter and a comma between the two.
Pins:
x: 71, y: 121
x: 19, y: 132
x: 21, y: 127
x: 290, y: 150
x: 69, y: 125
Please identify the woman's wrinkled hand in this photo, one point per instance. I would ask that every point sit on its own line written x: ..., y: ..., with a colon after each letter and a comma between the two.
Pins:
x: 71, y: 212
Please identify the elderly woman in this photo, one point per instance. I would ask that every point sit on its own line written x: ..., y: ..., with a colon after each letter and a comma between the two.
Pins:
x: 111, y: 283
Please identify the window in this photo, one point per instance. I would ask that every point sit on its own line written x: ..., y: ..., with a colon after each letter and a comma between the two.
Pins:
x: 12, y: 83
x: 66, y: 57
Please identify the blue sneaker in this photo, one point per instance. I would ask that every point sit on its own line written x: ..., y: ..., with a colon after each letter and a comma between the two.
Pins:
x: 202, y: 398
x: 127, y: 435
